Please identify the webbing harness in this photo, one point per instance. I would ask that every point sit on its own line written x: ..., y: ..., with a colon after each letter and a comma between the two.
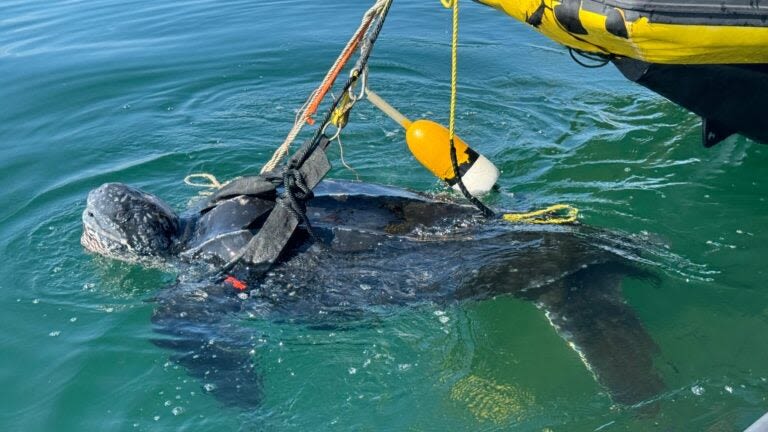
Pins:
x: 299, y: 180
x: 305, y: 169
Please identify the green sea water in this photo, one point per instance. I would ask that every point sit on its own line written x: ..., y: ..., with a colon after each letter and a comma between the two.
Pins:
x: 146, y: 92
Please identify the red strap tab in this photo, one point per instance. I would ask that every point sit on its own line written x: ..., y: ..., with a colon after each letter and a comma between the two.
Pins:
x: 235, y: 282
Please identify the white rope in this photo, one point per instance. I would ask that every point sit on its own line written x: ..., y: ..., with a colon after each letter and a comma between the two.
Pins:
x: 302, y: 114
x: 343, y: 162
x: 213, y: 183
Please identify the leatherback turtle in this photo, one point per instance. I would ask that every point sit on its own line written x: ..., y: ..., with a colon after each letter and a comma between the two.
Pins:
x: 572, y: 273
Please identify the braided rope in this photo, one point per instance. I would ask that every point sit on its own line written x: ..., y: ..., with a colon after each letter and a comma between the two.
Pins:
x: 313, y: 101
x: 454, y: 5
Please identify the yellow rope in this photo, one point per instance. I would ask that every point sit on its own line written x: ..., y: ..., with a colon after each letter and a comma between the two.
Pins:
x: 555, y: 214
x: 340, y: 115
x: 454, y: 5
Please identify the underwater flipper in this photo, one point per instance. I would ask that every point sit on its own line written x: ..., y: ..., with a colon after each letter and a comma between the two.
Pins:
x: 587, y: 310
x: 200, y: 326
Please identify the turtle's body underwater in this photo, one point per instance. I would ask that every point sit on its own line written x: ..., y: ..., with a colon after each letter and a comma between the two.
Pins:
x: 436, y: 251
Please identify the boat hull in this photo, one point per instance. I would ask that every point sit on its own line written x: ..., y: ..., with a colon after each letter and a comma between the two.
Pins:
x: 708, y: 56
x: 729, y: 98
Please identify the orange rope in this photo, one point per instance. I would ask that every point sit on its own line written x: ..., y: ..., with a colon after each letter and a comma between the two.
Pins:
x: 332, y: 74
x: 310, y: 106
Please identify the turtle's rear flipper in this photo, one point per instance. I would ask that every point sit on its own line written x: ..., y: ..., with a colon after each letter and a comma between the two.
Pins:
x: 587, y: 309
x: 200, y: 325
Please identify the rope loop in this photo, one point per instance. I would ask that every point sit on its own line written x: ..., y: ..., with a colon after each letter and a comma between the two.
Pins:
x: 336, y: 122
x: 557, y: 214
x: 212, y: 183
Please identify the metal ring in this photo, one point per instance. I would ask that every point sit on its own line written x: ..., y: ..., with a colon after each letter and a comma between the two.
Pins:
x: 335, y: 135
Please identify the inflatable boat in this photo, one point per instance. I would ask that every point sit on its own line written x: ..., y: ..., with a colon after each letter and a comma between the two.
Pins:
x: 709, y: 56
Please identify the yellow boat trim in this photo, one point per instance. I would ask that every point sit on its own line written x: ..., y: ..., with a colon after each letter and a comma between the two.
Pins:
x: 648, y: 41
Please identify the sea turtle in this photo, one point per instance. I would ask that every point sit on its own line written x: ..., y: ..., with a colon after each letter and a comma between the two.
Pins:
x: 438, y: 251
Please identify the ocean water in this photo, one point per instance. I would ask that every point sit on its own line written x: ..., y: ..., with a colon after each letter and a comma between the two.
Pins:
x: 147, y: 92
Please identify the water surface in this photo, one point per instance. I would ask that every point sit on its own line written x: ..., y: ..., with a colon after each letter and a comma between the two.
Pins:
x: 145, y: 93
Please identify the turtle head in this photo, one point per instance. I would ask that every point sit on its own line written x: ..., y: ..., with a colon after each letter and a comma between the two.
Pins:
x: 125, y: 223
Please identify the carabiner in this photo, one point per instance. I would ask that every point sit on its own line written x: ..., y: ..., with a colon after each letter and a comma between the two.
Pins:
x: 363, y: 77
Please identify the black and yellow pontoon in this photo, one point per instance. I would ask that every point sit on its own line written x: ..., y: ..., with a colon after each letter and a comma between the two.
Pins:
x: 709, y: 56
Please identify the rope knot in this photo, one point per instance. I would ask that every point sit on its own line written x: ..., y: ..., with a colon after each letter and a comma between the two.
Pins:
x: 295, y: 196
x: 296, y: 186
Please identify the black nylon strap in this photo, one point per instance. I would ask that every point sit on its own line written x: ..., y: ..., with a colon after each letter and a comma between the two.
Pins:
x: 255, y: 186
x: 267, y: 245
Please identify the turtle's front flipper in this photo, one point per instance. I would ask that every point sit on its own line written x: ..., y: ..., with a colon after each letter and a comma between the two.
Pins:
x: 587, y: 309
x: 200, y: 324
